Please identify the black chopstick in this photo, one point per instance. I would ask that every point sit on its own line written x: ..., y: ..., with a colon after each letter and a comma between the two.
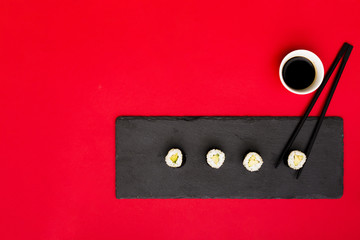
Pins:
x: 327, y: 103
x: 312, y: 103
x: 346, y: 48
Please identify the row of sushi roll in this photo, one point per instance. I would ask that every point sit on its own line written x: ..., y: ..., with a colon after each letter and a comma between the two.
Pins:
x: 252, y: 161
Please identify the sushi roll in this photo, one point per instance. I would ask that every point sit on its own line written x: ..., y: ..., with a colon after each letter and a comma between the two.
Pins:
x: 174, y: 158
x: 296, y: 159
x: 252, y: 161
x: 215, y: 158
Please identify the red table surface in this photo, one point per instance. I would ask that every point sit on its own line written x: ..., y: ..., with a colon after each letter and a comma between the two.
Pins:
x: 69, y: 68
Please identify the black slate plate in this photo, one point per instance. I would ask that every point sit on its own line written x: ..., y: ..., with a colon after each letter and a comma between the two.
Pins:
x: 143, y: 142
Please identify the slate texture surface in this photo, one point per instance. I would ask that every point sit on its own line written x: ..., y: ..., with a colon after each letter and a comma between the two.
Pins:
x: 143, y: 142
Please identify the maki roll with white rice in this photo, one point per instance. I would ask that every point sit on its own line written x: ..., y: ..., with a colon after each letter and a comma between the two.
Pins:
x: 174, y: 158
x: 215, y: 158
x: 296, y: 159
x: 252, y: 161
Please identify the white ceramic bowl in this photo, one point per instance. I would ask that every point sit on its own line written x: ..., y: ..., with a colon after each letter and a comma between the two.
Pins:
x: 319, y: 70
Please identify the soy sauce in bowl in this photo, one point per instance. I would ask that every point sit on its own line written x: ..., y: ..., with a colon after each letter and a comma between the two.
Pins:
x: 298, y: 73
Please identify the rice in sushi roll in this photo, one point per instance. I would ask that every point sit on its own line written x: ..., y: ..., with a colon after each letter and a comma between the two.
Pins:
x: 174, y: 158
x: 215, y: 158
x: 252, y: 161
x: 296, y: 159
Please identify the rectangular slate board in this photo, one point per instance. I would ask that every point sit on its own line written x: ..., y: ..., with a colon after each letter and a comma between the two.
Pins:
x: 143, y: 142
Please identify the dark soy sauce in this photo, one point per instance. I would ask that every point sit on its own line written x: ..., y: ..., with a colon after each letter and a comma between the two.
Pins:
x: 298, y: 73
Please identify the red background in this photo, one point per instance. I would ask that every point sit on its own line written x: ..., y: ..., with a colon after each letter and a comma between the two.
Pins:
x: 68, y: 69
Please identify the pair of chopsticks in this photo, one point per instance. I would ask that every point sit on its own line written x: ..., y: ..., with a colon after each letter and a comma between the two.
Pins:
x: 343, y: 53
